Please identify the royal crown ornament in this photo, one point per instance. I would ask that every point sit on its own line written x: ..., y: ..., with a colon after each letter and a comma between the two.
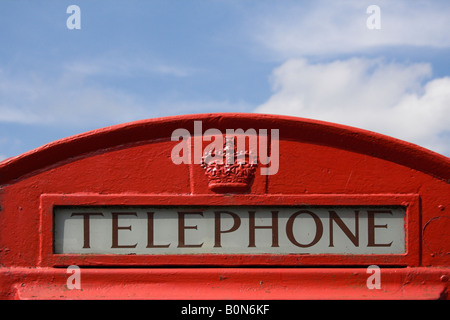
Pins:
x: 229, y: 170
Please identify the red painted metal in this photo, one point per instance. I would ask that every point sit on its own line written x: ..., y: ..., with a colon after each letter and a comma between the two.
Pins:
x: 130, y: 164
x: 226, y: 284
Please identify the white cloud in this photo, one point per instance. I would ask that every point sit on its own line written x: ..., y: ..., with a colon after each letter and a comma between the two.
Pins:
x: 75, y: 98
x: 77, y: 94
x: 400, y: 100
x: 394, y: 99
x: 64, y: 100
x: 131, y: 65
x: 336, y: 27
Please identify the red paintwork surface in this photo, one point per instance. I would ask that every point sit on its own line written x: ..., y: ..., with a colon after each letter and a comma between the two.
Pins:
x: 225, y: 284
x: 320, y: 163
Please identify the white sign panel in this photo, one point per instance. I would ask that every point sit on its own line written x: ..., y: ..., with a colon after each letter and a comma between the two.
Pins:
x: 229, y: 230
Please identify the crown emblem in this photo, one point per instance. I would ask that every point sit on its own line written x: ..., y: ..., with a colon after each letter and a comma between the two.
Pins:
x: 229, y: 170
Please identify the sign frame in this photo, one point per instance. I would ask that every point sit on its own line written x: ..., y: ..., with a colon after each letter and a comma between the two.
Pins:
x: 411, y: 257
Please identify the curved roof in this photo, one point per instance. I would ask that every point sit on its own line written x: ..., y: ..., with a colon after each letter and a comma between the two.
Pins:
x: 291, y: 128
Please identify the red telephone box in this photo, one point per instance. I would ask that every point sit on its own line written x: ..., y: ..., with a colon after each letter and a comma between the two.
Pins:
x: 225, y: 206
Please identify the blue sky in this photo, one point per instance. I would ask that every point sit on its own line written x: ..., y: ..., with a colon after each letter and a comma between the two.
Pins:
x: 143, y: 59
